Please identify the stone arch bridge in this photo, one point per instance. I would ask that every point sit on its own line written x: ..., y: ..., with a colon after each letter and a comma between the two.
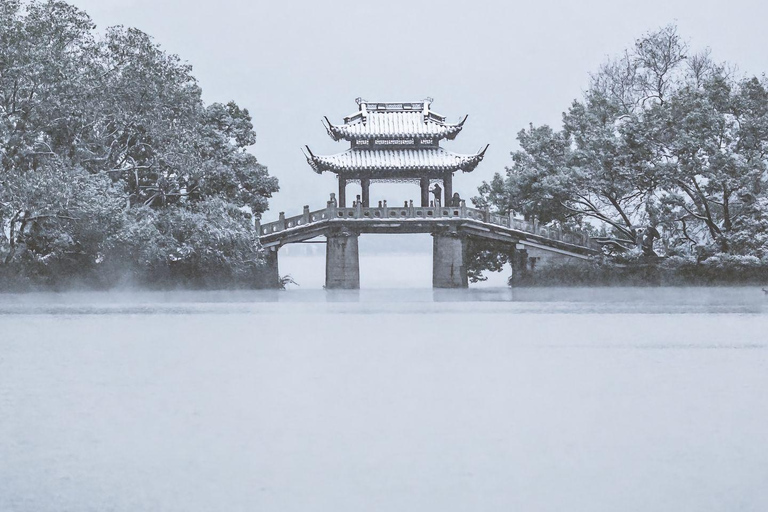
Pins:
x: 451, y: 229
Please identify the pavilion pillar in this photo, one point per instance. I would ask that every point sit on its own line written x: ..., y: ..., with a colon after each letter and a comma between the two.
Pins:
x: 342, y: 192
x: 365, y: 184
x: 448, y: 188
x: 449, y: 268
x: 424, y: 184
x: 342, y: 262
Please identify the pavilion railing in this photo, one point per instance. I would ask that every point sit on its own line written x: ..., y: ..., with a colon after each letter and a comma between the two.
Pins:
x: 578, y: 238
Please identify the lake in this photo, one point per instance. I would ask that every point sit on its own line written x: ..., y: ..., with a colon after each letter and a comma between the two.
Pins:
x: 385, y: 400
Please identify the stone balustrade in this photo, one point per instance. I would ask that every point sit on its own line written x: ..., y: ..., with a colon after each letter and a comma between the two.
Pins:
x: 406, y: 213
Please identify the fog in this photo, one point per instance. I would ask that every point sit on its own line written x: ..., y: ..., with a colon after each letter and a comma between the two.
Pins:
x: 396, y: 396
x: 386, y: 262
x: 485, y: 399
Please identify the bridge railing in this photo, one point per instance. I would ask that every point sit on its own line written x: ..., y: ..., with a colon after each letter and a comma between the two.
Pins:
x: 579, y: 238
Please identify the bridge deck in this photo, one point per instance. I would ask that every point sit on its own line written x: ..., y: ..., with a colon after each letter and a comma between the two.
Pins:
x: 469, y: 221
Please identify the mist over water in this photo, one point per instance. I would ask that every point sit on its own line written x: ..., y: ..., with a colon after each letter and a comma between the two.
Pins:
x: 483, y: 399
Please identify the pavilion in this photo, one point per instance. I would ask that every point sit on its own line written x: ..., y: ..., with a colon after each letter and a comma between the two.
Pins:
x: 394, y: 142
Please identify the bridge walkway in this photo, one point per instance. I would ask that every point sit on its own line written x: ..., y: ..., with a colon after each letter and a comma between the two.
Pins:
x: 450, y: 227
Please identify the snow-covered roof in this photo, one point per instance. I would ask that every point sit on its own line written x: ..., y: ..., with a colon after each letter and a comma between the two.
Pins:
x: 395, y: 160
x: 394, y: 120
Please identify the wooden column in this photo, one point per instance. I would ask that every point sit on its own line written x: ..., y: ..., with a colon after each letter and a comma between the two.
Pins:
x: 365, y: 184
x: 424, y: 184
x: 448, y: 189
x: 342, y: 192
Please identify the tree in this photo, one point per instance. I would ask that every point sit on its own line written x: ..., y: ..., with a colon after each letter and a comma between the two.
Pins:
x: 92, y: 127
x: 716, y: 134
x: 663, y: 141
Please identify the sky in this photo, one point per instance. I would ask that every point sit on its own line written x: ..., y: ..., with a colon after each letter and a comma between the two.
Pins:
x: 505, y: 63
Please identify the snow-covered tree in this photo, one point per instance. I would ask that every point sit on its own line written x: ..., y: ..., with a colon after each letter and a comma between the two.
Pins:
x: 663, y: 139
x: 93, y: 126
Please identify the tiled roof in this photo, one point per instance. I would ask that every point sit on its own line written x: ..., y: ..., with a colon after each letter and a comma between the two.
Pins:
x: 402, y: 160
x: 371, y: 125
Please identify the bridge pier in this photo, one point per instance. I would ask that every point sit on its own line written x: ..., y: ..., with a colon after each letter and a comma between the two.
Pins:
x: 271, y: 271
x: 520, y: 265
x: 342, y: 261
x: 449, y: 268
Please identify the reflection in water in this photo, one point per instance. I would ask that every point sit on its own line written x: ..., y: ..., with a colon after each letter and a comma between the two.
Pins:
x: 509, y: 300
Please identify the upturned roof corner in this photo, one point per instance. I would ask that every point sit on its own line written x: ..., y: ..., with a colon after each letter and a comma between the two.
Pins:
x: 395, y: 140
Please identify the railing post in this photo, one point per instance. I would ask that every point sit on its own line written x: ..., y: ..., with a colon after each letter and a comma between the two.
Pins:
x: 535, y: 226
x: 358, y: 210
x: 257, y: 224
x: 463, y: 209
x: 487, y: 214
x: 281, y: 221
x: 305, y: 215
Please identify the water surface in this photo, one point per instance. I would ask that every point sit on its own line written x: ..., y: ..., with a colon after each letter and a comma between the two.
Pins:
x: 408, y: 400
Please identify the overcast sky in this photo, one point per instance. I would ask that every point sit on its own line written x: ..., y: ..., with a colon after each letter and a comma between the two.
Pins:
x: 506, y: 64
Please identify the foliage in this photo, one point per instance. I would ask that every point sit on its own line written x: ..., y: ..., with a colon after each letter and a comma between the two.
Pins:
x: 105, y: 140
x: 666, y: 150
x: 719, y: 269
x: 484, y: 255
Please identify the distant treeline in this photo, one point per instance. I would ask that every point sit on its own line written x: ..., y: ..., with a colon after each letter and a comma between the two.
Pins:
x: 718, y: 270
x: 112, y: 167
x: 665, y: 155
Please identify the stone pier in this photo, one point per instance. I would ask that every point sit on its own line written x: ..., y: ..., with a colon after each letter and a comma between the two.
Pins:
x: 342, y: 261
x: 520, y: 265
x: 448, y: 261
x: 271, y: 271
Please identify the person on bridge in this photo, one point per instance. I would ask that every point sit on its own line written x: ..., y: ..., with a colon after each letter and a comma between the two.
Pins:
x: 456, y: 199
x: 438, y: 191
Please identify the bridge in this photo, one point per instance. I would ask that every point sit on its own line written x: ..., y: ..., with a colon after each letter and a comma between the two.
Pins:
x: 400, y: 142
x: 452, y: 228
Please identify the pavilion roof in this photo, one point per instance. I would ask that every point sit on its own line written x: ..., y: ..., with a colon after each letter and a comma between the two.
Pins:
x: 394, y: 120
x: 395, y: 160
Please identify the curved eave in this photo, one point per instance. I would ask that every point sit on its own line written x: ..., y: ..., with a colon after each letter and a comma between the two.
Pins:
x: 342, y: 132
x: 357, y: 128
x: 395, y: 160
